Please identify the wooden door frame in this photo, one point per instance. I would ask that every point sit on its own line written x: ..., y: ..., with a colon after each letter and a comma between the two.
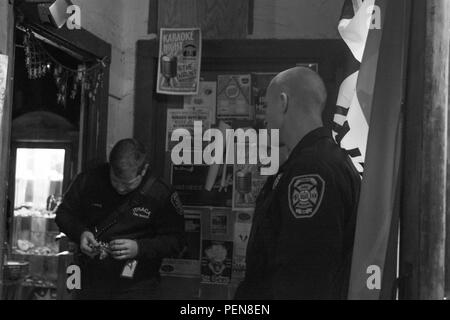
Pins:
x: 80, y: 41
x: 87, y: 45
x: 7, y: 25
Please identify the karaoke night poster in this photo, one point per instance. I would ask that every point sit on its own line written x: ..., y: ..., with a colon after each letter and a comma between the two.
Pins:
x: 179, y: 61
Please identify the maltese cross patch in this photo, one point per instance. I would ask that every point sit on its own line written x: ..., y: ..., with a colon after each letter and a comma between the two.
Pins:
x: 305, y: 195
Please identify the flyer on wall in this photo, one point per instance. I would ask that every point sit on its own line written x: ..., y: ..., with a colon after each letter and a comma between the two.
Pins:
x: 260, y: 82
x: 218, y: 224
x: 188, y: 262
x: 179, y: 64
x: 234, y: 98
x: 184, y: 119
x: 3, y: 77
x: 189, y: 182
x: 204, y: 101
x: 216, y: 261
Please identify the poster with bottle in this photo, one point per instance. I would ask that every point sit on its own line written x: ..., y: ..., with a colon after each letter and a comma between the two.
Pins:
x: 180, y: 51
x: 248, y: 183
x: 234, y: 98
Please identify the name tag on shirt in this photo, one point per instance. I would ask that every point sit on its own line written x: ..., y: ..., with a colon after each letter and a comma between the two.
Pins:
x: 129, y: 269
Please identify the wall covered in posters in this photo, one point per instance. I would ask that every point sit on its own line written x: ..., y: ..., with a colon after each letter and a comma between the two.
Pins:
x: 219, y: 199
x: 216, y: 242
x: 218, y: 220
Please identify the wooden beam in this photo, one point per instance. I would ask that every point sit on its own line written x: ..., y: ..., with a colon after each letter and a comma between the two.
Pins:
x: 425, y: 163
x: 177, y: 14
x: 153, y: 17
x: 218, y: 19
x: 80, y: 41
x: 6, y: 48
x: 310, y: 49
x: 447, y: 225
x: 251, y: 17
x: 434, y: 175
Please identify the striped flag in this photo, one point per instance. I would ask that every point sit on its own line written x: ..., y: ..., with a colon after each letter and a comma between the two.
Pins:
x: 379, y: 96
x: 353, y: 110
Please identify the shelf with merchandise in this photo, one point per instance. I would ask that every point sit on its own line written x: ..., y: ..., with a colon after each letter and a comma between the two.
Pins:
x: 35, y: 235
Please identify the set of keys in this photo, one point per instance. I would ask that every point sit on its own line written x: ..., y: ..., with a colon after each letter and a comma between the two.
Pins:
x: 103, y: 250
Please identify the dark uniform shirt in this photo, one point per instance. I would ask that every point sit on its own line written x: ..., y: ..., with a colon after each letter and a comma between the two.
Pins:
x: 155, y: 221
x: 301, y: 241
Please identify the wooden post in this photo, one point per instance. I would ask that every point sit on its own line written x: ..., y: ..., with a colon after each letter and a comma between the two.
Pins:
x: 6, y: 48
x: 425, y: 163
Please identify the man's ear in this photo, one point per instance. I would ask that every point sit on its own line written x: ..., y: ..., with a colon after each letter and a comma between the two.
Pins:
x: 284, y: 102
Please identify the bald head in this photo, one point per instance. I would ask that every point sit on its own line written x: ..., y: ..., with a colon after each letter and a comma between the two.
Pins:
x: 296, y: 99
x: 304, y: 88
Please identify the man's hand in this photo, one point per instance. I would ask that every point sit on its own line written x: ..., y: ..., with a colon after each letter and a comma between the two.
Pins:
x: 124, y: 249
x: 88, y: 244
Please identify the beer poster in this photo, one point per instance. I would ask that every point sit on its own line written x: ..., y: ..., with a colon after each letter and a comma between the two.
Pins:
x: 247, y: 185
x: 179, y: 61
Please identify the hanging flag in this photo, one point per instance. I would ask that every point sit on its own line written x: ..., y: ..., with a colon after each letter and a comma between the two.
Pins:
x: 381, y: 74
x: 353, y: 110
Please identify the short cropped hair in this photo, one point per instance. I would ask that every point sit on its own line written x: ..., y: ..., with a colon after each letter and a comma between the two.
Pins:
x: 127, y: 155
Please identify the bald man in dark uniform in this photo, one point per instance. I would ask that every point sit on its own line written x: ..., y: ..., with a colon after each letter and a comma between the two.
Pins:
x: 301, y: 241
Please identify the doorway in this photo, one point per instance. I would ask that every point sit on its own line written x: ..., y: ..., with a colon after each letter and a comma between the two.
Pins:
x: 59, y: 121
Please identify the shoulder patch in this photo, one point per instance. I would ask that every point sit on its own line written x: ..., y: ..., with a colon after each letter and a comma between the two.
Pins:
x: 305, y: 195
x: 176, y: 202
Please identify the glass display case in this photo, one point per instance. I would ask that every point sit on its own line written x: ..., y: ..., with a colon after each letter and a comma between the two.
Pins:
x: 39, y: 179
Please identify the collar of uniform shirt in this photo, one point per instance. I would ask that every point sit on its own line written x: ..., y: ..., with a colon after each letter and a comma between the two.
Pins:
x: 308, y: 140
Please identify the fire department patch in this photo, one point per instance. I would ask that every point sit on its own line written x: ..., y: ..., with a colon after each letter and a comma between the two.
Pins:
x: 305, y: 195
x: 176, y: 202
